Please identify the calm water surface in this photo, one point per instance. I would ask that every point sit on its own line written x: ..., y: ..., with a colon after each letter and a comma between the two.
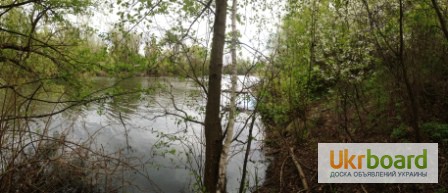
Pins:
x: 166, y: 149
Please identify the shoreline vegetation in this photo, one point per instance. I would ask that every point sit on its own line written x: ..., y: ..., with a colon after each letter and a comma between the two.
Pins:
x: 283, y: 146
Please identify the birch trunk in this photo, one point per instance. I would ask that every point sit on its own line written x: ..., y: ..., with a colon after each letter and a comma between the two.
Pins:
x: 232, y: 113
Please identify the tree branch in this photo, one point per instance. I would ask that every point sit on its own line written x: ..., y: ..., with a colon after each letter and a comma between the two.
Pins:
x: 441, y: 18
x: 17, y: 4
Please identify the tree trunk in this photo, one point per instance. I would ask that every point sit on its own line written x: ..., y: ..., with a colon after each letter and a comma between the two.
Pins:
x: 248, y: 148
x: 412, y: 107
x: 212, y: 124
x: 441, y: 18
x: 231, y: 122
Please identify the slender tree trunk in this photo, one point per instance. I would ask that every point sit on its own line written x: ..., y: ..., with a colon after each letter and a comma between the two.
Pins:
x: 229, y: 130
x: 312, y: 44
x: 412, y: 107
x: 376, y: 30
x: 311, y: 63
x: 441, y: 18
x: 248, y: 148
x: 212, y: 124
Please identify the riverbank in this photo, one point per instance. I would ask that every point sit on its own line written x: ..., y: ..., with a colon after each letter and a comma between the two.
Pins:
x: 283, y: 174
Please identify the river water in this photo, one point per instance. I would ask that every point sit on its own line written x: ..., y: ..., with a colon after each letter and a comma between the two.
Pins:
x: 167, y: 151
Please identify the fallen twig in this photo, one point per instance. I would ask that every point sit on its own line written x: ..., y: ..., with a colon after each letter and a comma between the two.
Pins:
x: 300, y: 170
x: 281, y: 173
x: 364, y: 189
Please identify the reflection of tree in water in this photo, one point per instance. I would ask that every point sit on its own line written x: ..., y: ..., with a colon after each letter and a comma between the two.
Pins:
x: 125, y: 104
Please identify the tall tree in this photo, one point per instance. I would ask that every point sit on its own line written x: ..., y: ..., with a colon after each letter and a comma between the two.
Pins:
x: 231, y: 122
x: 413, y: 108
x: 212, y: 124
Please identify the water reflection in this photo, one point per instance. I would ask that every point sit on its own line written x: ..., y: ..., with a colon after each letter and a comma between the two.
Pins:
x: 168, y: 148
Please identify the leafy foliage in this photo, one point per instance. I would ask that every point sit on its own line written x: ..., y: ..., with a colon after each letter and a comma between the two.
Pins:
x: 437, y: 131
x: 345, y: 54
